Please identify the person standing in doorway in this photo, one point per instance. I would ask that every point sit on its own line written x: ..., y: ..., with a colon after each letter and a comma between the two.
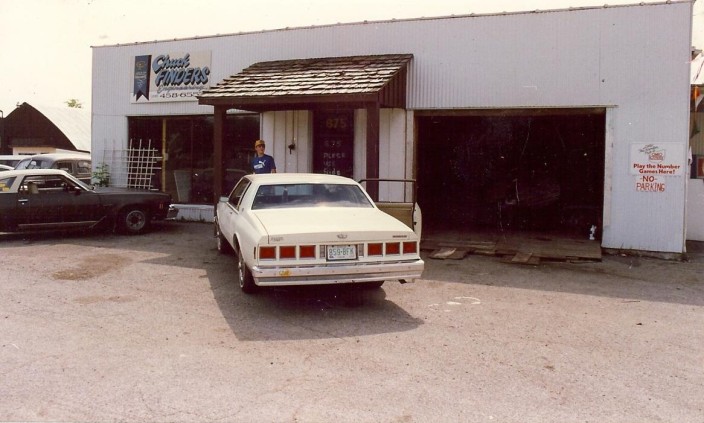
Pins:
x: 262, y: 163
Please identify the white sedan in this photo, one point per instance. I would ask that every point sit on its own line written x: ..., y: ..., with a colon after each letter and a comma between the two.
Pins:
x: 307, y: 229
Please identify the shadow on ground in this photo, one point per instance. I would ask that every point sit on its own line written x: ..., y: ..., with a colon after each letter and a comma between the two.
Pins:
x: 294, y: 313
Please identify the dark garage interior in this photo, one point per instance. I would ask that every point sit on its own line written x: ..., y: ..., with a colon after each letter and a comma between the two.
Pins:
x: 512, y: 171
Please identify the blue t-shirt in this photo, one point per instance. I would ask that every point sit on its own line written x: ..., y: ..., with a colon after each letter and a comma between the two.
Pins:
x: 263, y: 164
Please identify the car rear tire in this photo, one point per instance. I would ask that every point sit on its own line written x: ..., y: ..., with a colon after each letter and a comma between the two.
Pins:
x: 246, y: 280
x: 224, y: 247
x: 133, y: 221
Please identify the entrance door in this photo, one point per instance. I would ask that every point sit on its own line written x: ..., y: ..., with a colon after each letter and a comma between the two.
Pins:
x: 527, y: 170
x: 333, y: 141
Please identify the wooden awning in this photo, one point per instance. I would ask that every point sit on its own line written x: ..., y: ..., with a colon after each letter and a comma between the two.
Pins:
x: 352, y: 82
x: 309, y: 84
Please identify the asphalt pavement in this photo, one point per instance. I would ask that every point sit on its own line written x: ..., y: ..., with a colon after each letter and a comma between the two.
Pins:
x: 153, y: 328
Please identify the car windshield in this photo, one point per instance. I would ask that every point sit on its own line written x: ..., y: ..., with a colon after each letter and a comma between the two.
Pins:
x: 309, y: 195
x: 82, y: 184
x: 33, y: 164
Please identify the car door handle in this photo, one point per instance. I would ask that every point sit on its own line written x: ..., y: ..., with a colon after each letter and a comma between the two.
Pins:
x: 24, y: 201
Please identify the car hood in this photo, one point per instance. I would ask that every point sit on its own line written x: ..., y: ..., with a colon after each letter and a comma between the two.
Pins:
x: 324, y: 223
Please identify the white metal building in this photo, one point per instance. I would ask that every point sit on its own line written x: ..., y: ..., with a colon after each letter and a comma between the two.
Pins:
x: 576, y: 116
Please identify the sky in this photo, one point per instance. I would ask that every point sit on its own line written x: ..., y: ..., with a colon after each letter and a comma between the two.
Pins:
x: 45, y: 50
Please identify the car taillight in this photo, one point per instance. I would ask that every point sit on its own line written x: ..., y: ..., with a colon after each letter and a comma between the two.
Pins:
x: 307, y: 251
x: 267, y: 253
x: 410, y: 248
x: 287, y: 252
x: 375, y: 249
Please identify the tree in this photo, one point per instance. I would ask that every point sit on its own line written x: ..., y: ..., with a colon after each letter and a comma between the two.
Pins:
x: 74, y: 103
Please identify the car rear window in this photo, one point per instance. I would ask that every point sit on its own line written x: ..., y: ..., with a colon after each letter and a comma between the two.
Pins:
x: 309, y: 195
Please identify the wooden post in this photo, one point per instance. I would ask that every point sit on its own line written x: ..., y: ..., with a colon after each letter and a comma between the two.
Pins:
x: 218, y: 135
x: 373, y: 150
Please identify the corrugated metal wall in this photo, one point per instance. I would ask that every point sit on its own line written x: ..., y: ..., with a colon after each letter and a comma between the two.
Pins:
x: 633, y: 60
x: 602, y: 56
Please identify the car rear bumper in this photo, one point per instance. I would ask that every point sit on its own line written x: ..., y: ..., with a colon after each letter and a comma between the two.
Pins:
x: 333, y: 274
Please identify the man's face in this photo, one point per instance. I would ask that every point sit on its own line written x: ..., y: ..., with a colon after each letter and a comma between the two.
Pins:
x: 260, y: 149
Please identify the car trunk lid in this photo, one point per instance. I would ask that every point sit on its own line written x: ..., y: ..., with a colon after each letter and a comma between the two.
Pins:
x: 331, y: 225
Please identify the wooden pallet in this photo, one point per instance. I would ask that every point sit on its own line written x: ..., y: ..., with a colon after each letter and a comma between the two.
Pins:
x: 521, y: 250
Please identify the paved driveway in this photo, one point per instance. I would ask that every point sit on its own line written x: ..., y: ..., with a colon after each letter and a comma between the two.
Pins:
x: 154, y: 328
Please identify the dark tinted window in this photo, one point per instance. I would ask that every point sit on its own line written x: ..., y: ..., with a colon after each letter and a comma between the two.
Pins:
x: 238, y: 192
x: 64, y: 165
x: 309, y: 195
x: 83, y: 167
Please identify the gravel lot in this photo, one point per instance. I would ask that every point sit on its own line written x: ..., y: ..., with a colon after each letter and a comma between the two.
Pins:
x: 100, y: 327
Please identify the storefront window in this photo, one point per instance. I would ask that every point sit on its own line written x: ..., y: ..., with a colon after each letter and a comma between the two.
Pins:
x: 186, y: 145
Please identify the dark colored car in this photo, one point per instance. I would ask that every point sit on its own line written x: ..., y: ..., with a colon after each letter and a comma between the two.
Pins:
x: 77, y: 164
x: 46, y: 199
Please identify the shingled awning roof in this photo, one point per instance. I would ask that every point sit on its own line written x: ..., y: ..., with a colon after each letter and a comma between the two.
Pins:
x: 352, y: 81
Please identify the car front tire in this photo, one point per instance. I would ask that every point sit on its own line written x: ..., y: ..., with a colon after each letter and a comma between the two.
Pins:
x: 245, y: 276
x: 133, y: 221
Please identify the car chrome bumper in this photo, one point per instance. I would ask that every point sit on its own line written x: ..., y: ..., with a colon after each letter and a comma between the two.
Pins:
x: 172, y: 214
x: 332, y: 274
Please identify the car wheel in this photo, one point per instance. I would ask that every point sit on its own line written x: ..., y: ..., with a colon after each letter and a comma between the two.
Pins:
x: 371, y: 285
x: 245, y: 276
x: 223, y: 246
x: 133, y: 221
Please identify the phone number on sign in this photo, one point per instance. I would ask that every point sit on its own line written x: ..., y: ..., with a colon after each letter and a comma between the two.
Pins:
x: 190, y: 94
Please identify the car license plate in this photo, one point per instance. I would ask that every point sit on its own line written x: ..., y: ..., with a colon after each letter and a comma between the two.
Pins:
x: 342, y: 252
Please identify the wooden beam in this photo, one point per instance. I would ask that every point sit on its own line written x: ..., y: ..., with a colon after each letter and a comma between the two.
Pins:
x: 289, y: 102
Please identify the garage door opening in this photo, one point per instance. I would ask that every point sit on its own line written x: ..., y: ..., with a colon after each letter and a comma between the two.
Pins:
x: 541, y: 170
